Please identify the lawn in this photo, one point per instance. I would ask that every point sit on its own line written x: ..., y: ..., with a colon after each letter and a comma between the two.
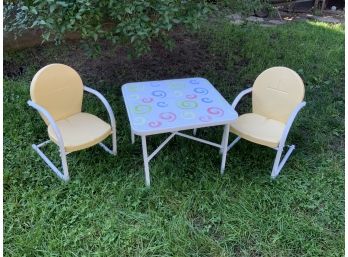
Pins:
x: 190, y: 210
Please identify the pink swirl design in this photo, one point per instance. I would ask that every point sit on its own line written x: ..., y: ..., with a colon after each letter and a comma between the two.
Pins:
x: 193, y: 96
x: 168, y: 116
x: 154, y: 124
x: 206, y: 118
x: 215, y: 111
x: 147, y: 99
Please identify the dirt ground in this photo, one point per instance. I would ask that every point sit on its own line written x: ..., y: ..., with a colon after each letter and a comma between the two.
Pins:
x: 338, y: 14
x: 190, y: 56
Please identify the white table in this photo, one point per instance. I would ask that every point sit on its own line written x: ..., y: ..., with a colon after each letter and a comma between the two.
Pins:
x: 170, y: 106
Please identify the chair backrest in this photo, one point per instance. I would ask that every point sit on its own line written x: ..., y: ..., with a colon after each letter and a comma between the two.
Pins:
x: 276, y: 92
x: 59, y: 89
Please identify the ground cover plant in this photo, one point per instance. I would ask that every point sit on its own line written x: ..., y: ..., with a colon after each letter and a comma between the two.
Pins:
x: 190, y: 210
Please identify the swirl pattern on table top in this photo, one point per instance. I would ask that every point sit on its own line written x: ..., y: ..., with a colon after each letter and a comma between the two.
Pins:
x: 141, y: 108
x: 215, y: 111
x: 191, y: 96
x: 205, y: 118
x: 206, y: 100
x: 187, y: 104
x: 174, y: 102
x: 155, y: 124
x: 201, y: 90
x: 168, y: 116
x: 147, y: 99
x: 139, y: 120
x: 162, y: 104
x: 159, y: 93
x: 188, y: 115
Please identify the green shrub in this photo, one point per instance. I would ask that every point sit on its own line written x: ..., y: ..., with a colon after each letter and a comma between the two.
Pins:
x: 129, y: 22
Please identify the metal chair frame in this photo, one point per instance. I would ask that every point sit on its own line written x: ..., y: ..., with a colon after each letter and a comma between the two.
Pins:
x: 278, y: 162
x: 63, y: 154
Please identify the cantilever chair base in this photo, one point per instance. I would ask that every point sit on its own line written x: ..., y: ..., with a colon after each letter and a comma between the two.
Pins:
x: 278, y: 162
x: 62, y: 175
x: 65, y: 174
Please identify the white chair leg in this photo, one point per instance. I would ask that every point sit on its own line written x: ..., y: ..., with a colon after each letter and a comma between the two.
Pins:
x: 114, y: 144
x: 194, y: 131
x: 278, y: 165
x: 63, y: 176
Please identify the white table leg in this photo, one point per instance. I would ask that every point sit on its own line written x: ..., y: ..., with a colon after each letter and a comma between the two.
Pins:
x: 224, y: 144
x: 146, y: 161
x: 132, y: 137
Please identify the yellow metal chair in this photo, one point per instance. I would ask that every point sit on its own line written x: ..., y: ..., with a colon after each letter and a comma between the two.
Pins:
x: 56, y: 93
x: 277, y: 97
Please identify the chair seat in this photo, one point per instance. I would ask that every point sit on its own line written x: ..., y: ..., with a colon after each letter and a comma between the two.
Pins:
x: 80, y: 131
x: 258, y: 129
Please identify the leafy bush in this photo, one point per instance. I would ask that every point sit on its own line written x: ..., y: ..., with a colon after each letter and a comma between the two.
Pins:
x: 130, y: 22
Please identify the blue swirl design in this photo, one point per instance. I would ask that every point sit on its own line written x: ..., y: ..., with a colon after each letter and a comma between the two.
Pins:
x: 159, y: 93
x: 194, y: 81
x: 201, y: 90
x: 155, y: 84
x: 206, y: 100
x: 162, y: 104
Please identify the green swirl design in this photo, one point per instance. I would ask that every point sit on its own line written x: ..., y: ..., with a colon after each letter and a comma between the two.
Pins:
x: 133, y: 88
x: 177, y: 85
x: 141, y: 109
x: 187, y: 104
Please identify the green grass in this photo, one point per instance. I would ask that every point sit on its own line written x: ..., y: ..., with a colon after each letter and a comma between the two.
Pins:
x: 190, y: 210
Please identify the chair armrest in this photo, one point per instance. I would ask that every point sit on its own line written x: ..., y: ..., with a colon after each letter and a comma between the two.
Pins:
x: 105, y: 102
x: 289, y: 122
x: 50, y: 119
x: 240, y: 96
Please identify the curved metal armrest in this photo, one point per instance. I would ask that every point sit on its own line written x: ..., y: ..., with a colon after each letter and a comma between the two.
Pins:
x: 290, y: 121
x: 105, y: 102
x: 50, y: 119
x: 240, y: 96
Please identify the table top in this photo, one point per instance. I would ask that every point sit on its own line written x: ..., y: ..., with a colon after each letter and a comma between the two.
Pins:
x: 156, y: 107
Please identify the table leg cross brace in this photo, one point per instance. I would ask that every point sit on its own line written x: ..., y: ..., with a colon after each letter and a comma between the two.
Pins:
x: 183, y: 135
x: 147, y: 158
